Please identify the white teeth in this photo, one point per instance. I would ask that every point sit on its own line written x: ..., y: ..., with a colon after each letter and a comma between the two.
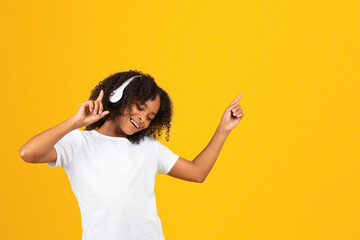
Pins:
x: 134, y: 123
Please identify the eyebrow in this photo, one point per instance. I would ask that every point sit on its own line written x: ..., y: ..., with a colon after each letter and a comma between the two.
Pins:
x: 147, y: 106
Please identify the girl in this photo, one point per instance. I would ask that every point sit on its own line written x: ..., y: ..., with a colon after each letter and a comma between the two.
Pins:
x: 112, y: 164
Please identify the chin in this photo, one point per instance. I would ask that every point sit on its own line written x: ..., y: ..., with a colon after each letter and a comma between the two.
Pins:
x: 131, y: 133
x: 128, y: 133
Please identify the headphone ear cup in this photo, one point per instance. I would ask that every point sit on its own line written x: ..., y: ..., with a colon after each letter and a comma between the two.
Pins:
x: 114, y: 105
x: 110, y: 105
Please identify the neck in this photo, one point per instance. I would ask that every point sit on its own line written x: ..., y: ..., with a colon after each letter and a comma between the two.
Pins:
x: 109, y: 128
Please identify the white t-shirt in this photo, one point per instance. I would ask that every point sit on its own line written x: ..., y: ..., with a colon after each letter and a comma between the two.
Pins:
x: 113, y: 182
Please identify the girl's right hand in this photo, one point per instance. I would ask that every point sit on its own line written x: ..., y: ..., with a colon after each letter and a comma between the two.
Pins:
x: 90, y: 111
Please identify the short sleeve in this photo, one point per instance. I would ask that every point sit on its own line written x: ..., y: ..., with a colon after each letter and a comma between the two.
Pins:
x: 66, y: 148
x: 166, y: 158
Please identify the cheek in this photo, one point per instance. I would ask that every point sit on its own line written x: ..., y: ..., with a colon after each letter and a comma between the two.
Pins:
x: 133, y: 112
x: 123, y: 121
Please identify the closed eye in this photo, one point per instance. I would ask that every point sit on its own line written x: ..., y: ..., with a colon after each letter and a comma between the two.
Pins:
x: 141, y: 110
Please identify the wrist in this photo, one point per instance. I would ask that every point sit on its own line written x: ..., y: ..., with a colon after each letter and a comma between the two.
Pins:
x: 74, y: 124
x: 223, y: 131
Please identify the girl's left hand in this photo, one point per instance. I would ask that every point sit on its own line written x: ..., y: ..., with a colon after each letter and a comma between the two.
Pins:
x: 232, y: 116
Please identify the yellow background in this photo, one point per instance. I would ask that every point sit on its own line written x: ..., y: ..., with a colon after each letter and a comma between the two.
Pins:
x: 289, y: 170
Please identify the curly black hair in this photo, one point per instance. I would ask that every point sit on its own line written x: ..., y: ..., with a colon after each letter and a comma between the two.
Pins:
x: 139, y: 90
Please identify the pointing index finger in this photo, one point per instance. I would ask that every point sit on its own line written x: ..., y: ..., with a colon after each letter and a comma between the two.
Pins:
x: 237, y: 98
x: 101, y: 94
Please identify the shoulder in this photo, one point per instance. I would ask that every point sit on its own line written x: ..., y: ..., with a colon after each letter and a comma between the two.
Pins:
x: 149, y: 139
x: 76, y: 135
x: 77, y: 132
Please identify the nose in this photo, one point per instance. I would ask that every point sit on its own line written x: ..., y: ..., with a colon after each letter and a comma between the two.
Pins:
x: 141, y: 119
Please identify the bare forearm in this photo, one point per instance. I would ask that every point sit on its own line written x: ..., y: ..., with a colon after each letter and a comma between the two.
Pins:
x: 39, y: 145
x: 206, y: 159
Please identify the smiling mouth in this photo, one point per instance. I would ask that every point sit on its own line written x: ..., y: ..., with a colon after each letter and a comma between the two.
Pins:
x: 134, y: 126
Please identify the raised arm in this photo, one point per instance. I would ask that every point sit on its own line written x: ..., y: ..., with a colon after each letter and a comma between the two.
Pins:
x: 198, y: 169
x: 40, y: 148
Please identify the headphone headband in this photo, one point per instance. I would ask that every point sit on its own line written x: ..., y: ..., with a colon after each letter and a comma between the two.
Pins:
x: 117, y: 94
